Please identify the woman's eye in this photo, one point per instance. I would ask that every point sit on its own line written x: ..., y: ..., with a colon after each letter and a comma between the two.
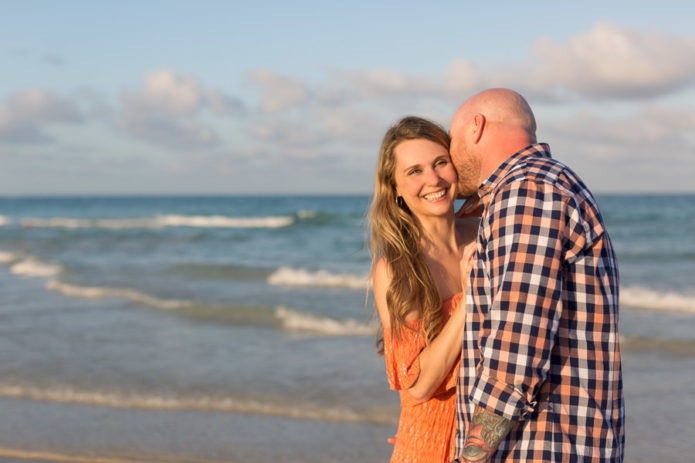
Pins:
x: 414, y: 171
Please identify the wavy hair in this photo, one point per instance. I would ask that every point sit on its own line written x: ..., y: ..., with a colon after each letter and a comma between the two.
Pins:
x: 395, y: 234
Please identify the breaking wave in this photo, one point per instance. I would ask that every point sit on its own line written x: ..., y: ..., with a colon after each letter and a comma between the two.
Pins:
x: 280, y: 317
x: 644, y: 298
x: 296, y: 320
x: 205, y: 403
x: 95, y: 292
x: 7, y: 257
x: 162, y: 221
x: 33, y: 267
x: 287, y: 276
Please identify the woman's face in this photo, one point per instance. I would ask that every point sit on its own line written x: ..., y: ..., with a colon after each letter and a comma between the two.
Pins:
x: 425, y: 177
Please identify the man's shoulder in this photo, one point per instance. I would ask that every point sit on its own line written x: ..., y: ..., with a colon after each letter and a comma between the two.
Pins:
x: 541, y: 185
x: 535, y: 169
x: 544, y: 173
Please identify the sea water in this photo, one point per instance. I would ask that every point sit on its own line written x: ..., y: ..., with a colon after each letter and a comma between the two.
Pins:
x: 250, y: 316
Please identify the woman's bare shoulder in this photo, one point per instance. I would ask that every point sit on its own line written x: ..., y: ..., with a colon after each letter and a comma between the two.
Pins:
x: 381, y: 278
x: 382, y: 271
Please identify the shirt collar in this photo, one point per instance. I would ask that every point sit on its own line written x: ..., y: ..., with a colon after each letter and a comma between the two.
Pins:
x: 537, y: 150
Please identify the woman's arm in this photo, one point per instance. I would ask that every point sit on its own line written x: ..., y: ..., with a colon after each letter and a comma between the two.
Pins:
x: 437, y: 358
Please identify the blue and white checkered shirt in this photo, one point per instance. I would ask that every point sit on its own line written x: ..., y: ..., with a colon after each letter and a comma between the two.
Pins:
x: 541, y: 338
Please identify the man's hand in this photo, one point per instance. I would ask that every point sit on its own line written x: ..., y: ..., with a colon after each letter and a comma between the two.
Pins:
x: 486, y: 433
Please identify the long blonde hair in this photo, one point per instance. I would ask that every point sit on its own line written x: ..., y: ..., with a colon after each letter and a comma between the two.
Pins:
x: 395, y: 234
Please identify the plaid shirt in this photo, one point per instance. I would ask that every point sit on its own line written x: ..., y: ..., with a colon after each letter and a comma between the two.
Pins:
x: 541, y: 339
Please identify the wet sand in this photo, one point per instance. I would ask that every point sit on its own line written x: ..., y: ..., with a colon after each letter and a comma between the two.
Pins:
x: 659, y: 392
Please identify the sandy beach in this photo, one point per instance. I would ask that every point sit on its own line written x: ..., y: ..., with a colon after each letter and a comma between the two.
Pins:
x: 58, y: 432
x: 54, y: 432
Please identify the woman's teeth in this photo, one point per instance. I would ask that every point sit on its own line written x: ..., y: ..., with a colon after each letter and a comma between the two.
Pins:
x: 433, y: 196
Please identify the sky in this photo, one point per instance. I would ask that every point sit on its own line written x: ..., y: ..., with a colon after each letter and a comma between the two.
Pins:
x: 276, y: 97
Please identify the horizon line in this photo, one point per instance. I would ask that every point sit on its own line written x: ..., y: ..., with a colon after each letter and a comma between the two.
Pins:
x: 274, y: 194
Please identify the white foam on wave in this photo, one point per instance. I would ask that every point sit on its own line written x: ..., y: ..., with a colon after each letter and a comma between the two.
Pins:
x: 286, y: 318
x: 302, y: 321
x: 204, y: 403
x: 97, y: 292
x: 33, y: 267
x: 643, y: 298
x: 224, y: 222
x: 61, y: 222
x: 7, y: 257
x: 162, y: 221
x: 287, y: 276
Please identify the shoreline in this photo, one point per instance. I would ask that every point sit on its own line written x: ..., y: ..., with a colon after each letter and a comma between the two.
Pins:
x: 59, y: 432
x: 37, y: 431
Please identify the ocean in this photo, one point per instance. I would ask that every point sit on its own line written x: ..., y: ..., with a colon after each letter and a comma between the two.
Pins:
x: 239, y: 329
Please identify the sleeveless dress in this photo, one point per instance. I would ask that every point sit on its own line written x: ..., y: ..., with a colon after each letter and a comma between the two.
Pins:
x: 425, y: 429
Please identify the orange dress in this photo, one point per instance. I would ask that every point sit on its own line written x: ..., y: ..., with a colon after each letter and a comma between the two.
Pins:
x: 425, y: 429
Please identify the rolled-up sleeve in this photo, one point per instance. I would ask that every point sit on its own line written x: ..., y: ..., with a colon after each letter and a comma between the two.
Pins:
x: 523, y: 244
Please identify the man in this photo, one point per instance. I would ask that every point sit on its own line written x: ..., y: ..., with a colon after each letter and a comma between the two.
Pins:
x: 540, y: 376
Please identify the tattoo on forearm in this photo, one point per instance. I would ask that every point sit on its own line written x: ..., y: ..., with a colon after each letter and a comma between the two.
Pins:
x: 494, y: 428
x: 475, y: 453
x: 487, y: 431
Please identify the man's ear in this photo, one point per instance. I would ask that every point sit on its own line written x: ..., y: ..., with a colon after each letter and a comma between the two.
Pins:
x: 478, y: 127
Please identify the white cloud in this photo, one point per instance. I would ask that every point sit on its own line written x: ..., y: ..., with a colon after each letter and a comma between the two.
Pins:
x: 611, y: 61
x: 317, y: 130
x: 165, y: 111
x: 652, y: 134
x: 288, y: 138
x: 167, y: 93
x: 176, y: 134
x: 221, y: 104
x: 381, y: 82
x: 357, y: 127
x: 279, y: 92
x: 461, y: 79
x: 608, y: 62
x: 24, y: 115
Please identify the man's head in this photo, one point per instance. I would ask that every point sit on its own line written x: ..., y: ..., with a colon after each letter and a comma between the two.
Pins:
x: 485, y: 131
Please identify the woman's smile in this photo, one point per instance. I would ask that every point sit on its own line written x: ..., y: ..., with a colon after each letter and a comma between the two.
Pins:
x: 436, y: 196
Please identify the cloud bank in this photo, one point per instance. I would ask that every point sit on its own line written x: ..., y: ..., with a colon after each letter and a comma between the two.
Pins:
x: 603, y: 96
x: 165, y: 111
x: 23, y: 115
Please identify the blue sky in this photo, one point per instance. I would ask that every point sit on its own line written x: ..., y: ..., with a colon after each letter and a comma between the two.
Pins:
x: 162, y: 97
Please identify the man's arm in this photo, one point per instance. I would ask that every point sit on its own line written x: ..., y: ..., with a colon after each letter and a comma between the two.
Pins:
x: 486, y: 433
x: 523, y: 245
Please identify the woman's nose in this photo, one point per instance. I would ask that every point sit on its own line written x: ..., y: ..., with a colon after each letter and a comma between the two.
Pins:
x: 433, y: 177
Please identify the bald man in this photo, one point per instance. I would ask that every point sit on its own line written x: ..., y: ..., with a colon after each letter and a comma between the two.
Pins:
x: 540, y: 377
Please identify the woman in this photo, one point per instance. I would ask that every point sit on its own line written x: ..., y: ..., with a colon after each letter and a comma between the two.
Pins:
x: 421, y: 260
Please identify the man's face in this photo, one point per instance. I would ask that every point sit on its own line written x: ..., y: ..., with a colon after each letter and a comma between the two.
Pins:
x: 465, y: 161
